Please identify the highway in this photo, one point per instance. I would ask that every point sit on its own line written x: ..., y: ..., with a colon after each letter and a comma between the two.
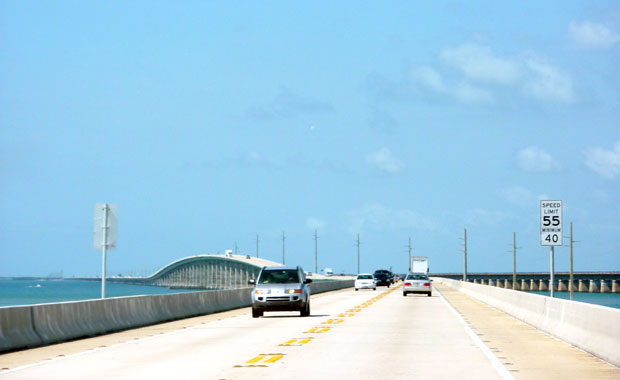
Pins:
x: 349, y: 335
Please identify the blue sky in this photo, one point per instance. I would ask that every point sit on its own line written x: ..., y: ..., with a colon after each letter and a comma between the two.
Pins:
x: 209, y: 123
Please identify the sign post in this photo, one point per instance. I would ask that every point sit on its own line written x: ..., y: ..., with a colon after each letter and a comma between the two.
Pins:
x: 105, y: 235
x: 551, y: 231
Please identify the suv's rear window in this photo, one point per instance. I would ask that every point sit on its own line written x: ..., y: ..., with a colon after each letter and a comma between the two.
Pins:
x: 280, y: 276
x: 417, y: 277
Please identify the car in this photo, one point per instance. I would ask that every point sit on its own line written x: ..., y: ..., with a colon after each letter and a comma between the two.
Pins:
x: 417, y: 283
x: 382, y: 279
x: 365, y: 281
x: 388, y: 273
x: 281, y: 288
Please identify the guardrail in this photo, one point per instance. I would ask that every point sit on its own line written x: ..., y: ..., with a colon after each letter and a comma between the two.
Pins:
x: 38, y: 325
x: 592, y: 328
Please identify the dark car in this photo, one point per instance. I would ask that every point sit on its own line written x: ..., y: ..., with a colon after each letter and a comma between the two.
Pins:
x: 382, y: 279
x: 387, y: 273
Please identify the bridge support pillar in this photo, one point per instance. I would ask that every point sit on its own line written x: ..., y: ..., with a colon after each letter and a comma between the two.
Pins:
x: 572, y: 285
x: 476, y: 281
x: 491, y: 282
x: 593, y: 287
x: 542, y: 286
x: 516, y: 285
x: 499, y: 283
x: 533, y: 285
x: 483, y: 282
x: 525, y: 285
x: 605, y: 287
x: 507, y: 284
x: 562, y: 286
x: 615, y: 286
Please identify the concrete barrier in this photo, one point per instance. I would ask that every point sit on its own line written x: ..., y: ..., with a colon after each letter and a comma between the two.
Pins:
x: 592, y: 328
x: 16, y: 328
x: 37, y: 325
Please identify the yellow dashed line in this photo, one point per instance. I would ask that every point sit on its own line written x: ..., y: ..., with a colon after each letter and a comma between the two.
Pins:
x: 255, y: 360
x: 274, y: 359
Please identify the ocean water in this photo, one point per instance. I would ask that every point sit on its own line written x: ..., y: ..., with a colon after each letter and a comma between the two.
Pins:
x: 603, y: 299
x: 30, y: 292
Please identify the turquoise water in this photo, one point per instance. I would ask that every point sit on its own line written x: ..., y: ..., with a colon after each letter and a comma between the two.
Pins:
x: 30, y: 292
x: 603, y: 299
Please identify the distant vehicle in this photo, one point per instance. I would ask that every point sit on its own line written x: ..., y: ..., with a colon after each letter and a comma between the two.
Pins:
x: 388, y: 273
x: 281, y: 288
x: 365, y: 281
x: 419, y: 264
x: 382, y: 278
x: 417, y: 283
x: 328, y: 271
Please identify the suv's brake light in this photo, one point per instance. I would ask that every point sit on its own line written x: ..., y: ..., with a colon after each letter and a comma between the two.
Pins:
x: 427, y: 284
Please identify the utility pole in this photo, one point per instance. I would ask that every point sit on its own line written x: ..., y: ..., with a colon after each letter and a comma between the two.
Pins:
x: 257, y: 246
x: 571, y: 283
x: 358, y: 253
x: 409, y: 255
x: 316, y: 251
x: 283, y: 249
x: 514, y: 261
x: 465, y: 256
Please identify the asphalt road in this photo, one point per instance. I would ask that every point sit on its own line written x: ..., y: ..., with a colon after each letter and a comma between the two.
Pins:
x: 349, y: 335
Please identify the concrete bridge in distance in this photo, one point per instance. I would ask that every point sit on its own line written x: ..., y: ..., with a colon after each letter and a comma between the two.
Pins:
x: 587, y: 282
x: 211, y: 272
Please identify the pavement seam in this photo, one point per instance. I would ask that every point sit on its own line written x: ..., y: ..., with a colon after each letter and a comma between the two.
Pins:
x: 497, y: 364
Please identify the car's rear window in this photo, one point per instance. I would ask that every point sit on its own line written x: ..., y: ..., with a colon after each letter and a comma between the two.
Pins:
x: 417, y: 277
x: 364, y: 277
x: 279, y: 276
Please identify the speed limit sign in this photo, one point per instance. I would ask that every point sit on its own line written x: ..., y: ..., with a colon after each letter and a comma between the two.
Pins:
x: 550, y: 223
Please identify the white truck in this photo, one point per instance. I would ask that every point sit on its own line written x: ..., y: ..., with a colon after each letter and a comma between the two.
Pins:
x: 419, y: 264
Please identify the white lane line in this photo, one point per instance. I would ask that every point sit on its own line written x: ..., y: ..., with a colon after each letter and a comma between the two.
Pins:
x: 93, y: 350
x: 499, y: 367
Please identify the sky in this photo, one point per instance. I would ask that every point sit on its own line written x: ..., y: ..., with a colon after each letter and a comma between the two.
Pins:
x: 210, y: 124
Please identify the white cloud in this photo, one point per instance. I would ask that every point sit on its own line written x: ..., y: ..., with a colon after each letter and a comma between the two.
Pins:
x: 484, y: 73
x: 384, y: 160
x: 604, y: 162
x: 429, y: 77
x: 545, y: 82
x: 478, y: 63
x: 315, y: 223
x: 534, y: 159
x: 592, y: 35
x: 376, y: 217
x: 470, y: 94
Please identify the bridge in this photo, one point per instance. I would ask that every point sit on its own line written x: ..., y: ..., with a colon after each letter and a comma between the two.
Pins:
x: 204, y: 272
x: 589, y: 282
x: 464, y: 331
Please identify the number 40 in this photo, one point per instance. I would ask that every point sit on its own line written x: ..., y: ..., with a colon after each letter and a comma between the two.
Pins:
x: 552, y: 238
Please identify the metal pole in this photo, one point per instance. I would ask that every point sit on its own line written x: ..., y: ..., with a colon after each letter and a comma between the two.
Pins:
x: 465, y: 257
x: 409, y: 255
x: 570, y: 284
x: 104, y: 245
x: 514, y: 260
x: 551, y: 281
x: 358, y: 253
x: 283, y: 249
x: 316, y: 252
